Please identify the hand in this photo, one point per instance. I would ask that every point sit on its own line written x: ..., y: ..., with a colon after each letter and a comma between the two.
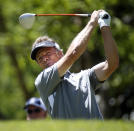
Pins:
x: 104, y: 19
x: 94, y: 18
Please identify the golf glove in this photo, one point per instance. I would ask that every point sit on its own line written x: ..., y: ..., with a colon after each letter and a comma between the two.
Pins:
x: 104, y: 19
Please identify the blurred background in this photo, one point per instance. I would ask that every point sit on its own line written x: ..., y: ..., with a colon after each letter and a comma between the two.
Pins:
x: 18, y: 71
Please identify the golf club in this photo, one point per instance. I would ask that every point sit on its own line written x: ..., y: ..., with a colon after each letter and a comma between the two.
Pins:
x: 27, y: 19
x: 82, y: 15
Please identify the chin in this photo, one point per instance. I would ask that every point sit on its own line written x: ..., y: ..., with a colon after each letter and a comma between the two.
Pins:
x: 49, y: 64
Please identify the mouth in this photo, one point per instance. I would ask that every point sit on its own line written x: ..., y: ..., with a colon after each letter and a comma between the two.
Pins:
x: 48, y: 64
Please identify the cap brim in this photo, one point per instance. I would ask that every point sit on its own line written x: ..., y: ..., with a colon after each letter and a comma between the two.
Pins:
x: 41, y: 45
x: 25, y: 107
x: 34, y: 52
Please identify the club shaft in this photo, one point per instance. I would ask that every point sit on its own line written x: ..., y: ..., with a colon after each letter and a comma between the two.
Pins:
x: 81, y: 15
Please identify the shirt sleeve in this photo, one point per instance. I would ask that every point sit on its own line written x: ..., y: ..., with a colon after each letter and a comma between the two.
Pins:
x: 93, y: 78
x: 47, y: 81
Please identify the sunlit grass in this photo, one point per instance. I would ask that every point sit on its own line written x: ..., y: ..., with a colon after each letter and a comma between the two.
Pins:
x: 66, y: 125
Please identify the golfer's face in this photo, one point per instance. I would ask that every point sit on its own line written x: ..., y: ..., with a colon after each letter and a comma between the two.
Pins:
x: 47, y: 56
x: 34, y: 112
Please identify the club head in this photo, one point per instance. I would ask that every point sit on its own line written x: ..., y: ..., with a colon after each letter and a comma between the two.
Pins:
x: 27, y: 20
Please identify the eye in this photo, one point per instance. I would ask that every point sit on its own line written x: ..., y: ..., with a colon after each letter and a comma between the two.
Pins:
x: 48, y: 54
x: 40, y: 58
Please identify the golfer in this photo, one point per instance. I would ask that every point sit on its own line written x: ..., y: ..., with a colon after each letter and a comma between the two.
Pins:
x: 73, y: 93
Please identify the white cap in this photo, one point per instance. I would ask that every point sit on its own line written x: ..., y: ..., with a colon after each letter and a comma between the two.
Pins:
x: 37, y: 46
x: 35, y: 102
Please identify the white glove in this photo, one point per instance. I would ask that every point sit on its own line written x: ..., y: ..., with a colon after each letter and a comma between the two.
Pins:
x: 104, y: 19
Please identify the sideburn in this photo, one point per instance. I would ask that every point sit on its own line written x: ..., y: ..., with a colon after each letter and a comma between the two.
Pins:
x: 59, y: 54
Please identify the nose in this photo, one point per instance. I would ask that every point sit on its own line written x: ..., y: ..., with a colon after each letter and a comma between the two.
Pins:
x: 45, y: 59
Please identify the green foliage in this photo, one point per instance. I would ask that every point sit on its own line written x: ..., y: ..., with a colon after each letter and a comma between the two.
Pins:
x: 16, y: 42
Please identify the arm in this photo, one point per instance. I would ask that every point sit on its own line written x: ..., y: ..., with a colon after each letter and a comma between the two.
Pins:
x: 77, y: 46
x: 106, y: 68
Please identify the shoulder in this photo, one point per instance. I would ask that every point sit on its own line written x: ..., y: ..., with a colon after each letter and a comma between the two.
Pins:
x: 86, y: 72
x: 90, y: 74
x: 44, y: 74
x: 47, y: 75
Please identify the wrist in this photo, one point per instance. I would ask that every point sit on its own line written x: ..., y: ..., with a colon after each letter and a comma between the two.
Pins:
x: 92, y: 23
x: 105, y: 28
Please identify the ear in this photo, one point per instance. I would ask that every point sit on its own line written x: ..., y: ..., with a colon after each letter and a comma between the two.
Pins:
x: 59, y: 53
x: 37, y: 61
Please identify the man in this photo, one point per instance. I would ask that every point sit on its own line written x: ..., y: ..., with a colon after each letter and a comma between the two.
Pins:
x: 35, y: 109
x: 73, y: 93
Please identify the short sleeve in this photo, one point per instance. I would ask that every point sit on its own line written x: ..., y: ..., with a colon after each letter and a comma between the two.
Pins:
x: 47, y: 81
x: 93, y: 78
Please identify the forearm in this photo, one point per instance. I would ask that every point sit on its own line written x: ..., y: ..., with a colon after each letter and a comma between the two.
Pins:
x: 76, y: 48
x: 78, y: 45
x: 110, y: 48
x: 104, y: 69
x: 80, y: 42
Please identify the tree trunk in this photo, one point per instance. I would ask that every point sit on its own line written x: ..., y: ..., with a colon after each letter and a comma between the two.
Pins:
x: 11, y: 52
